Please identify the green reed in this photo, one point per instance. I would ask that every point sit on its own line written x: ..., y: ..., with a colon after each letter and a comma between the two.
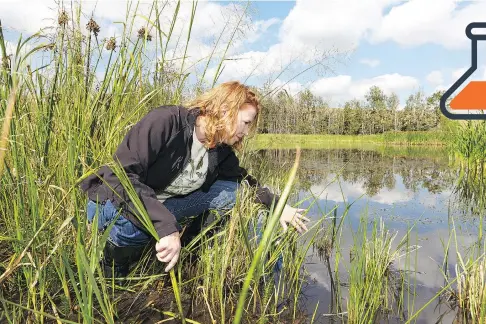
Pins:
x: 432, y: 138
x: 63, y: 125
x: 466, y: 292
x: 373, y: 283
x: 471, y: 290
x: 467, y: 141
x: 267, y: 237
x: 144, y: 219
x: 376, y: 280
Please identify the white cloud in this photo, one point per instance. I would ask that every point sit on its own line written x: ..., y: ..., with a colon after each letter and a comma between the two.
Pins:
x: 258, y: 63
x: 210, y: 21
x: 443, y: 79
x: 392, y: 196
x: 342, y: 88
x: 259, y: 28
x: 435, y: 78
x: 418, y: 22
x: 314, y: 31
x: 328, y: 24
x: 293, y: 88
x: 311, y: 29
x: 370, y: 62
x: 440, y: 87
x: 335, y: 192
x: 27, y: 15
x: 244, y: 65
x: 213, y: 28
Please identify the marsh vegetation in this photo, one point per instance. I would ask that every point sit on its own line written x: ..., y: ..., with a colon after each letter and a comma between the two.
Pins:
x: 63, y: 120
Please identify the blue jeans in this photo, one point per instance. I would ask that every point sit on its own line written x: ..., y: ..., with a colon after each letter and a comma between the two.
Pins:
x: 220, y: 197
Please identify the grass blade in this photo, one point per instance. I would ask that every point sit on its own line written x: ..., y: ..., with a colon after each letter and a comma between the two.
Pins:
x: 266, y: 238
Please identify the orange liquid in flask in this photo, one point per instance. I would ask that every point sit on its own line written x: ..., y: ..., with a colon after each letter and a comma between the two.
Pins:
x: 472, y: 97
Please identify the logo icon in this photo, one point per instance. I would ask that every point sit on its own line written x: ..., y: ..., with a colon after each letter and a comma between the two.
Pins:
x: 473, y: 94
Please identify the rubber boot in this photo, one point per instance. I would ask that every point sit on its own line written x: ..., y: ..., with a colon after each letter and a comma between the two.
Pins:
x: 117, y: 259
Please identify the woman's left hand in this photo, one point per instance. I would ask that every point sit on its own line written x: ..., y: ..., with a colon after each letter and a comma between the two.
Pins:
x: 292, y: 216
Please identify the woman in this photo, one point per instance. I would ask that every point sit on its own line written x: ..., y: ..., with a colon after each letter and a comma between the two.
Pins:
x: 181, y: 162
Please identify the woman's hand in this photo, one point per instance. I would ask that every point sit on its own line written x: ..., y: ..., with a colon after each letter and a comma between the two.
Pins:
x: 168, y: 249
x: 292, y: 215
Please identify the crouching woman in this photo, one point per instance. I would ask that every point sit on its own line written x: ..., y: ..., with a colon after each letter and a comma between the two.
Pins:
x: 181, y: 161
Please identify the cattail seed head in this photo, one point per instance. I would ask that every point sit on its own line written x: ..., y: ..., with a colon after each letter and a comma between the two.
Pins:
x: 111, y: 44
x: 141, y: 34
x: 93, y: 27
x: 63, y: 18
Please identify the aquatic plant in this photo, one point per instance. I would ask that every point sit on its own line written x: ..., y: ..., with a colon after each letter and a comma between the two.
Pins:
x: 375, y: 288
x: 64, y: 122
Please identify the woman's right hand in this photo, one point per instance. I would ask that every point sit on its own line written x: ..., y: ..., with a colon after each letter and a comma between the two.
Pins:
x: 168, y: 249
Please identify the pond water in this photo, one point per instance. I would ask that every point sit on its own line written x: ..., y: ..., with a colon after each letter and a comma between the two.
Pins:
x: 403, y: 187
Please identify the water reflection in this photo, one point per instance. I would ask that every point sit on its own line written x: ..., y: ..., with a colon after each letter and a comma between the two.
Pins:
x: 470, y: 188
x: 425, y: 276
x: 372, y: 170
x: 404, y: 188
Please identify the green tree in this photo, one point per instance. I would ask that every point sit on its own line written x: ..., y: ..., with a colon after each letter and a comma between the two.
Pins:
x: 392, y: 103
x: 433, y: 106
x: 352, y: 117
x: 415, y: 106
x: 376, y: 103
x: 308, y: 108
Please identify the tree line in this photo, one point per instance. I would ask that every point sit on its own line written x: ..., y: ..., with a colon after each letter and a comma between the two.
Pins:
x: 307, y: 113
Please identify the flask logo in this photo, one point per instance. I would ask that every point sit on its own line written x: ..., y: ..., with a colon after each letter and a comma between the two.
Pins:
x: 473, y: 95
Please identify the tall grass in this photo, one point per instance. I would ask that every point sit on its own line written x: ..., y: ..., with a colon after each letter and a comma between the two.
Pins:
x: 64, y: 124
x: 375, y: 288
x: 144, y: 218
x: 466, y: 291
x: 468, y: 141
x: 61, y: 123
x: 471, y: 290
x: 6, y: 128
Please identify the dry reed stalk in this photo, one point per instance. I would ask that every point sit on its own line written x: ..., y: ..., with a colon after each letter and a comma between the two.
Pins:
x: 6, y: 128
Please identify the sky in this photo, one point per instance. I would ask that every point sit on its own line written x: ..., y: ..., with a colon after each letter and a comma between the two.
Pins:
x: 337, y: 49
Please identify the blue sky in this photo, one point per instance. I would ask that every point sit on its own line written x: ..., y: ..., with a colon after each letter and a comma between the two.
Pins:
x: 401, y: 46
x: 422, y: 54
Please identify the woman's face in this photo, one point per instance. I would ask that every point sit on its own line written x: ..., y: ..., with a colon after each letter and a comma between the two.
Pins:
x: 246, y: 116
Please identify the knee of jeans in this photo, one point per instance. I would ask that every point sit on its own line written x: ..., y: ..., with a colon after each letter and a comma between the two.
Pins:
x: 127, y: 234
x: 224, y: 200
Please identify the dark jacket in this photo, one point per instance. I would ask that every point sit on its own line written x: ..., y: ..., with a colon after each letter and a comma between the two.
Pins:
x: 152, y: 154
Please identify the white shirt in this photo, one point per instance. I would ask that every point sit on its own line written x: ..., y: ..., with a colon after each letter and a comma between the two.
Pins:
x: 193, y: 175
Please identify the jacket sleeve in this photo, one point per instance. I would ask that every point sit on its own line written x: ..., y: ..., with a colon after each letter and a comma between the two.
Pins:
x: 230, y: 169
x: 138, y: 150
